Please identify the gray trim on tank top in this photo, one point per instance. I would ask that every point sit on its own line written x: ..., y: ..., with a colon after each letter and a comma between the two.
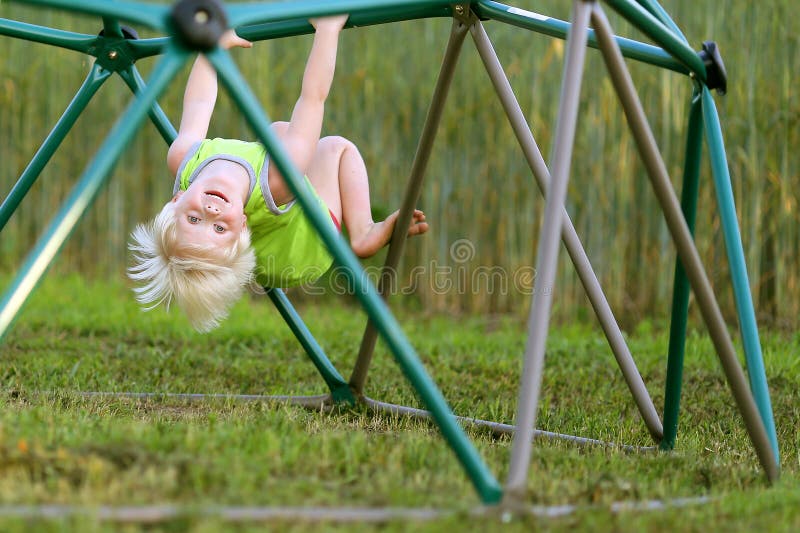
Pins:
x: 262, y: 179
x: 263, y: 182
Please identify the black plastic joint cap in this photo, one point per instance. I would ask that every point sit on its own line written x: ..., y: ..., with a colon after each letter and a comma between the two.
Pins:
x: 716, y: 76
x: 127, y: 32
x: 199, y: 23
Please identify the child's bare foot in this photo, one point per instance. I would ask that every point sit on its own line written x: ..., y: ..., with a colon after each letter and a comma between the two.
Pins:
x: 380, y: 233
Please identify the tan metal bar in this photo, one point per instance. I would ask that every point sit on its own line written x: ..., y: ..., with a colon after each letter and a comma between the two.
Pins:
x: 547, y: 254
x: 425, y: 146
x: 568, y: 234
x: 687, y: 251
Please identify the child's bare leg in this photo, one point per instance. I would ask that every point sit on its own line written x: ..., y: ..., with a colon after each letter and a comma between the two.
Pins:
x: 339, y: 175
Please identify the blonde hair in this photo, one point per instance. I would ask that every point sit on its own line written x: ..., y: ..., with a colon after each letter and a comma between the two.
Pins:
x: 203, y: 280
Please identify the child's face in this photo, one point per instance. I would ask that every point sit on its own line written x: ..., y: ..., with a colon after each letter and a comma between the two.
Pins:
x: 207, y: 213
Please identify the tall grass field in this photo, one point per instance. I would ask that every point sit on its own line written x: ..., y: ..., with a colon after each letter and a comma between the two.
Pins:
x: 478, y: 186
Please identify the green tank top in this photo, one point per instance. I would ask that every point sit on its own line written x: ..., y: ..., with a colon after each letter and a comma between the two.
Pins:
x: 288, y: 250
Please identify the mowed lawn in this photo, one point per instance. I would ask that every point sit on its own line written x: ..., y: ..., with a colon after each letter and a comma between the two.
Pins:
x: 59, y: 447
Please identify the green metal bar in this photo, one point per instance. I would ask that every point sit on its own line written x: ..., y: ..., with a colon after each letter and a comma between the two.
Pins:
x: 485, y: 484
x: 142, y: 48
x: 663, y: 36
x: 78, y: 42
x: 85, y: 191
x: 93, y: 82
x: 655, y: 9
x: 741, y: 285
x: 340, y: 390
x: 290, y: 28
x: 681, y: 287
x: 134, y: 80
x: 245, y: 14
x: 111, y: 28
x: 558, y: 28
x: 276, y: 29
x: 153, y: 16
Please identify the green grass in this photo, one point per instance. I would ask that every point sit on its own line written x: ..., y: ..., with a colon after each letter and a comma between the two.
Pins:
x: 57, y: 447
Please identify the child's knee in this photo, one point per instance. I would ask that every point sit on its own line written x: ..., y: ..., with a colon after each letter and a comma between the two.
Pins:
x: 335, y: 145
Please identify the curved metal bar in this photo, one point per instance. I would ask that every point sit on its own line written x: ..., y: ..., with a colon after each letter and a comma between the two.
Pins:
x: 78, y: 42
x: 97, y: 76
x: 301, y: 26
x: 135, y: 82
x: 152, y: 514
x: 553, y: 27
x: 142, y: 48
x: 289, y: 28
x: 244, y: 14
x: 319, y: 401
x: 147, y: 14
x: 658, y: 12
x: 502, y: 429
x: 652, y: 27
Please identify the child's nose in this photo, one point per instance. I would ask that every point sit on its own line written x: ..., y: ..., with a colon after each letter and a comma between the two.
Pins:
x: 211, y: 209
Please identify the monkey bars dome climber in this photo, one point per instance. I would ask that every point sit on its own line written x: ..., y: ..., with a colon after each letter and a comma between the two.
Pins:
x: 191, y: 26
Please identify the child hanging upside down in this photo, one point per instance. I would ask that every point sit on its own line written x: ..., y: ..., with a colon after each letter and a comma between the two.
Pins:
x: 232, y: 215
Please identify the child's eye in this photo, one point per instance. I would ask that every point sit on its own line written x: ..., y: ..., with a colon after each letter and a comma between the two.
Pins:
x: 219, y: 229
x: 193, y: 220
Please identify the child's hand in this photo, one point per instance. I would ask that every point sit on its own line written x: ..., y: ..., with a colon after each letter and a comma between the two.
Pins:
x: 230, y: 40
x: 333, y: 23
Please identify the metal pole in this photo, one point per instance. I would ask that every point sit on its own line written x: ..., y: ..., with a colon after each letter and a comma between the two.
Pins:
x: 85, y: 191
x: 340, y: 392
x: 568, y: 234
x: 741, y: 285
x: 111, y: 28
x: 547, y: 255
x: 546, y: 25
x: 483, y: 481
x: 280, y: 28
x: 157, y: 116
x: 655, y: 9
x: 400, y: 235
x: 144, y: 13
x: 78, y: 42
x: 661, y: 34
x: 680, y: 290
x: 97, y: 75
x: 683, y: 240
x: 251, y: 13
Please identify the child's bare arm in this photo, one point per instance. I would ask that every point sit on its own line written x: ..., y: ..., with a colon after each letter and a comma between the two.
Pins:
x: 199, y: 100
x: 302, y: 134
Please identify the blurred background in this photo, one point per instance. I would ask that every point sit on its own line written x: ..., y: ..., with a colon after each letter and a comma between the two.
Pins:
x: 480, y: 197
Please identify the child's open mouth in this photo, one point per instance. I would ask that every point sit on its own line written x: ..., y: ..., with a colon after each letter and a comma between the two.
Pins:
x: 217, y: 194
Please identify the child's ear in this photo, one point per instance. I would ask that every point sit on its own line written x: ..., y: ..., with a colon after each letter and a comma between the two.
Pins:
x: 177, y: 195
x: 244, y: 221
